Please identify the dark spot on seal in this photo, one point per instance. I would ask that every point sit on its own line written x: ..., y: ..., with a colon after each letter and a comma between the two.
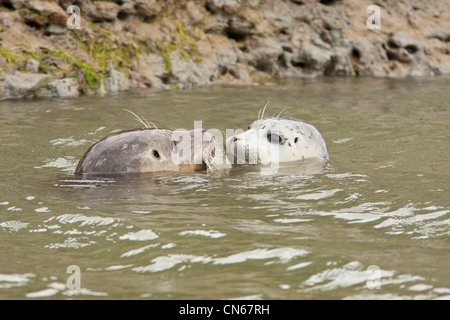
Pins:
x: 290, y: 144
x: 156, y: 154
x: 295, y: 140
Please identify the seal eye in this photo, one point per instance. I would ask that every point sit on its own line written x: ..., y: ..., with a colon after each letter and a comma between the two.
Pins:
x: 273, y: 138
x: 296, y: 139
x: 156, y: 154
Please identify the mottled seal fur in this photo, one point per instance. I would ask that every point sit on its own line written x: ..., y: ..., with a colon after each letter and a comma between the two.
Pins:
x: 276, y: 139
x: 148, y: 150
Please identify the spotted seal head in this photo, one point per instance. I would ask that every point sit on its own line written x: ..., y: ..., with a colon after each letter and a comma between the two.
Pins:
x: 149, y: 150
x: 276, y: 139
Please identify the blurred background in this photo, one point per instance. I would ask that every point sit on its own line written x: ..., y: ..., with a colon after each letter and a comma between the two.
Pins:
x: 73, y: 47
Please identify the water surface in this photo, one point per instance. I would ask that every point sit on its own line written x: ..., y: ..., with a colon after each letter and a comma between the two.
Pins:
x: 373, y: 223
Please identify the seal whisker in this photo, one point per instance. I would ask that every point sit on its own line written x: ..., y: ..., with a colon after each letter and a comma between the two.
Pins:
x: 146, y: 122
x: 264, y: 109
x: 150, y: 124
x: 146, y: 125
x: 282, y: 111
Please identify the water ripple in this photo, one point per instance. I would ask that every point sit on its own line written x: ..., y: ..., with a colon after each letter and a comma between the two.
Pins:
x: 55, y: 288
x: 142, y: 235
x: 353, y: 274
x: 14, y: 280
x: 211, y: 233
x: 284, y: 255
x: 76, y: 218
x: 14, y: 225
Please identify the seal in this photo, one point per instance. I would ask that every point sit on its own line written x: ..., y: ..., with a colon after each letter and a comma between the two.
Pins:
x: 149, y: 150
x: 276, y: 139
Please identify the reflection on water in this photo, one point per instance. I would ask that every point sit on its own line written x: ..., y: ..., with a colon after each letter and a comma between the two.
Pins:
x: 372, y: 223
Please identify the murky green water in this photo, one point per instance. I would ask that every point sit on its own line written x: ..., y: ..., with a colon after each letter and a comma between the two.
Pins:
x: 375, y: 223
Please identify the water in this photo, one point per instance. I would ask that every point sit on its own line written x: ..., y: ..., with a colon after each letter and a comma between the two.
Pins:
x: 373, y: 223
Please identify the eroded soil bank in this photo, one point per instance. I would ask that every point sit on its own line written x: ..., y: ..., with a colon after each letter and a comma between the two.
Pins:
x: 126, y: 44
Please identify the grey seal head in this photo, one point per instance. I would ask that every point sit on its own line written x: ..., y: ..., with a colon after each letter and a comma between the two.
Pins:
x: 276, y: 139
x: 149, y: 150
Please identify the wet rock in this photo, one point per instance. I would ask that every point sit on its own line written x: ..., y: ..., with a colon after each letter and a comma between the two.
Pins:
x: 238, y: 28
x: 157, y: 67
x: 68, y: 87
x: 126, y: 10
x: 412, y: 55
x: 195, y: 12
x: 117, y: 82
x: 50, y: 11
x: 32, y: 65
x: 20, y: 85
x: 222, y: 63
x: 56, y: 30
x: 217, y: 28
x: 226, y: 57
x: 101, y: 11
x: 147, y: 9
x: 228, y: 6
x: 404, y: 48
x: 210, y: 70
x: 440, y: 34
x: 367, y: 55
x: 265, y: 59
x: 5, y: 19
x: 340, y: 63
x: 32, y: 18
x: 185, y: 73
x: 232, y: 69
x: 312, y: 59
x: 16, y: 4
x: 152, y: 72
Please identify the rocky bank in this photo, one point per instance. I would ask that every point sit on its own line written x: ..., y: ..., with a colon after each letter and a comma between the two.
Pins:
x: 183, y: 44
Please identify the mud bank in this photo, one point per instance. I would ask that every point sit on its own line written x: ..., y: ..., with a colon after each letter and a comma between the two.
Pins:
x: 127, y: 44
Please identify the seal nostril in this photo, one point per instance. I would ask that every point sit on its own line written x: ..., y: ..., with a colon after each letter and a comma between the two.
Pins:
x: 296, y: 139
x: 156, y: 154
x: 234, y: 139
